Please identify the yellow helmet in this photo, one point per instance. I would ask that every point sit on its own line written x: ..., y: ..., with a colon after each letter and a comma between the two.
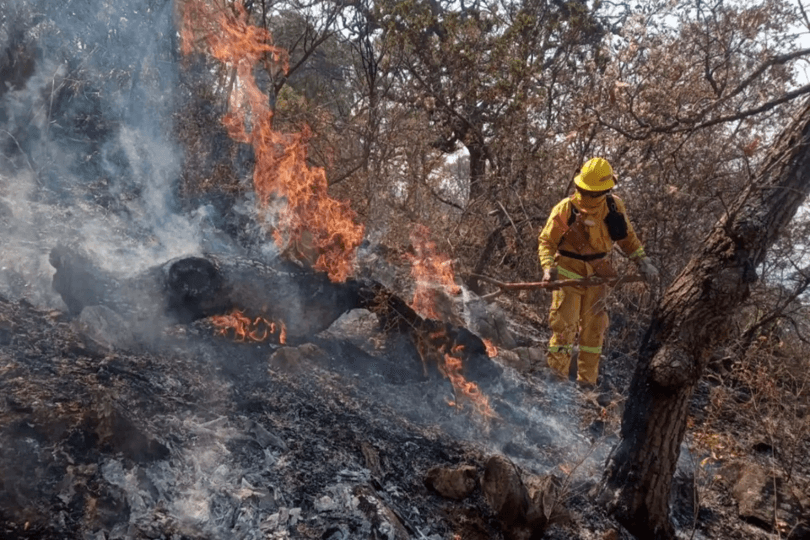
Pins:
x: 596, y: 175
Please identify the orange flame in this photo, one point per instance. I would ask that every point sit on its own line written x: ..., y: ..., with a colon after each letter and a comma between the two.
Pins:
x: 467, y: 389
x: 434, y: 347
x: 430, y: 270
x: 492, y: 350
x: 243, y: 328
x: 310, y: 216
x: 281, y: 171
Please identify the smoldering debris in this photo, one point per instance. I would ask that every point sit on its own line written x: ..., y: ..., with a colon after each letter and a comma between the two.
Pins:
x: 301, y: 301
x: 207, y: 437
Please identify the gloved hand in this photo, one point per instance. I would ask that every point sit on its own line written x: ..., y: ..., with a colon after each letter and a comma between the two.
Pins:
x: 648, y: 271
x: 550, y: 274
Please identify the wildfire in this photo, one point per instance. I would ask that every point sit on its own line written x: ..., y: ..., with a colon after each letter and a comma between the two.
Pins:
x: 243, y: 328
x: 432, y: 271
x: 281, y: 172
x: 311, y: 222
x: 435, y: 283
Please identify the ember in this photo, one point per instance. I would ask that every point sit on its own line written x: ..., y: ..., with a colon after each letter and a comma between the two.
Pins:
x: 492, y: 350
x: 436, y: 347
x: 243, y: 328
x: 463, y: 388
x: 434, y: 285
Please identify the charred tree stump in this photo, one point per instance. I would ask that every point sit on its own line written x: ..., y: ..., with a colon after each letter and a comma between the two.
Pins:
x: 694, y: 315
x: 525, y: 505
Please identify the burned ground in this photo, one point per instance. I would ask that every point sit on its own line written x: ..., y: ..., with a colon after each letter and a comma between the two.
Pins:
x: 202, y: 437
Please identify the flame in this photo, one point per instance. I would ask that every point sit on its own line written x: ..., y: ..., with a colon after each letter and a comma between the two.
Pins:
x: 434, y: 347
x: 492, y: 350
x: 325, y: 228
x: 430, y: 270
x: 467, y: 389
x: 243, y: 328
x: 281, y: 171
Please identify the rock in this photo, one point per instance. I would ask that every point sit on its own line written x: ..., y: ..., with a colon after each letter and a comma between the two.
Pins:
x: 766, y: 499
x: 529, y: 358
x: 534, y: 355
x: 489, y: 321
x: 504, y: 491
x: 514, y: 360
x: 452, y: 483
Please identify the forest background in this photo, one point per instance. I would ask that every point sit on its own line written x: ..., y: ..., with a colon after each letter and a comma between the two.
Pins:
x: 474, y: 118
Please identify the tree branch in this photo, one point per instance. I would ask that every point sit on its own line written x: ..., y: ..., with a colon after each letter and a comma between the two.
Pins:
x: 750, y: 112
x: 781, y: 59
x: 551, y: 285
x: 672, y: 127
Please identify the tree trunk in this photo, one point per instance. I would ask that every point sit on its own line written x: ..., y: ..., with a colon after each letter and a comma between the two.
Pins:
x: 494, y: 241
x: 693, y: 317
x: 478, y: 170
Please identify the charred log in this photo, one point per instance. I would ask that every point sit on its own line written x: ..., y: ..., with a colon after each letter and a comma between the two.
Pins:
x: 190, y: 288
x: 81, y: 282
x: 395, y: 314
x: 191, y: 285
x: 431, y: 336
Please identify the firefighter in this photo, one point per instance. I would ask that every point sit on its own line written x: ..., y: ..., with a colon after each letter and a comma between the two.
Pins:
x: 575, y: 244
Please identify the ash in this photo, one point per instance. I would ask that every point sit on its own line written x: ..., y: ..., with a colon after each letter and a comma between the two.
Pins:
x: 203, y: 437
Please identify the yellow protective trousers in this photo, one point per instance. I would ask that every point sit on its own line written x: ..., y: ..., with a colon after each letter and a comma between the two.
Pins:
x: 577, y: 310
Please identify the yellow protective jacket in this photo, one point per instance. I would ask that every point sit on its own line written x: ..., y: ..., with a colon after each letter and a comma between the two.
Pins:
x: 593, y: 211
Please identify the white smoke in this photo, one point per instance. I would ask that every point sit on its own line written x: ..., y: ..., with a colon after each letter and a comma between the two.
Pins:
x: 86, y: 139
